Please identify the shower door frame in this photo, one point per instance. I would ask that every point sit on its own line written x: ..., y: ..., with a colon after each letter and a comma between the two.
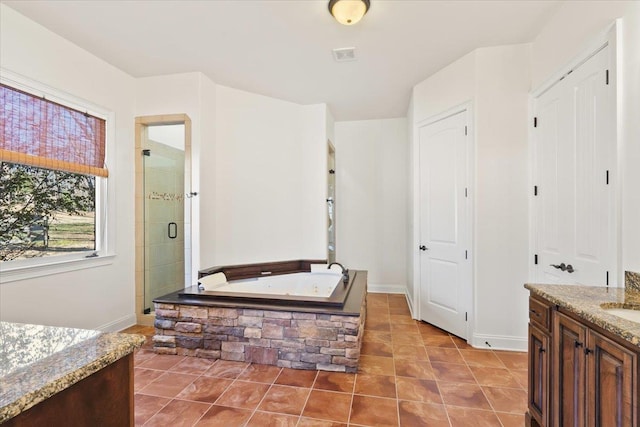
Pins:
x: 141, y: 124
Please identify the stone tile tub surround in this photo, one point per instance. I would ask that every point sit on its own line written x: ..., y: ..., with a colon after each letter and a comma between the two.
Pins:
x: 299, y: 337
x: 37, y: 361
x: 632, y: 280
x: 588, y: 302
x: 296, y: 340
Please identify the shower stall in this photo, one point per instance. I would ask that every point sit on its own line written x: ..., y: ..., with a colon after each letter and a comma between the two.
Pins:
x: 164, y: 211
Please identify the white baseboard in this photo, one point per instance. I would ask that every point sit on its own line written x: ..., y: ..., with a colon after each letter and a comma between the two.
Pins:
x: 409, y: 303
x: 118, y: 324
x: 386, y: 289
x: 499, y: 342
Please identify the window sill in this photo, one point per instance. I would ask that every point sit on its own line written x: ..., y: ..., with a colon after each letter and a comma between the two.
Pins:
x: 13, y: 274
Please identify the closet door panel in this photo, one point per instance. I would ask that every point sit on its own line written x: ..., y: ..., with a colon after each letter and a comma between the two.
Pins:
x: 592, y: 243
x: 574, y: 207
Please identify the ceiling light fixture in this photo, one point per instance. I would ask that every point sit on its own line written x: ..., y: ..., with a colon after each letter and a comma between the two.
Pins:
x: 348, y: 12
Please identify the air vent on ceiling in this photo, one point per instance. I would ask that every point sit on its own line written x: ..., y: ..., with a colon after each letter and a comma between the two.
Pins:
x: 344, y: 54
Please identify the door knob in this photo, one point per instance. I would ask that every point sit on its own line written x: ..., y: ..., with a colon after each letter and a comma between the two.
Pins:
x: 570, y: 269
x: 423, y: 248
x: 561, y: 266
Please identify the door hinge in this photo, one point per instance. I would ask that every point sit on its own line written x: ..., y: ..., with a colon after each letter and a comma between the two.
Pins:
x: 607, y: 177
x: 465, y: 130
x: 607, y: 76
x: 466, y: 254
x: 466, y: 316
x: 607, y: 279
x: 535, y: 190
x: 146, y: 152
x: 535, y: 122
x: 535, y: 259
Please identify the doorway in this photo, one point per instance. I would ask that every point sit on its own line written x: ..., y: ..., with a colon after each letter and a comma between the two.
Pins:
x: 331, y: 200
x: 163, y: 211
x: 445, y: 223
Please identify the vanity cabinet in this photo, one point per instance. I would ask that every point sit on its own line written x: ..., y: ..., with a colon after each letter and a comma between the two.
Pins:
x: 579, y: 374
x: 594, y: 377
x: 569, y: 370
x: 611, y: 398
x: 539, y: 358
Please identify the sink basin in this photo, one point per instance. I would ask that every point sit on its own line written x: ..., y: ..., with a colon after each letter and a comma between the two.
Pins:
x: 625, y: 313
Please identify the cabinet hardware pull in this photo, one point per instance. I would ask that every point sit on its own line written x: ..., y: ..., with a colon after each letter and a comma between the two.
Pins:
x: 587, y: 351
x: 542, y: 350
x: 172, y: 230
x: 578, y: 344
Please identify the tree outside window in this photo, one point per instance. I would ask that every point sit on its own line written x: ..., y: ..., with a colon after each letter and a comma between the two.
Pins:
x: 45, y: 212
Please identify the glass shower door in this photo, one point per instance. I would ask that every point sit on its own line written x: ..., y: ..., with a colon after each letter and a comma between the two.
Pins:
x: 164, y: 221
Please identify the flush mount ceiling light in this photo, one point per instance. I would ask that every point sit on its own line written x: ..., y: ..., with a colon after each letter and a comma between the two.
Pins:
x: 348, y: 12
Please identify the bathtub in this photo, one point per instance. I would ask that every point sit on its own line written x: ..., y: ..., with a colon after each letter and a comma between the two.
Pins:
x: 283, y: 313
x: 318, y: 285
x: 324, y: 287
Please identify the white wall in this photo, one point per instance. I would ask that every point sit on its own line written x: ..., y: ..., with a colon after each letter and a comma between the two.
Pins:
x: 371, y: 164
x: 502, y: 195
x: 270, y: 179
x: 567, y: 34
x: 100, y: 297
x: 192, y: 94
x: 410, y: 250
x: 259, y: 168
x: 331, y: 124
x: 496, y: 82
x: 312, y: 128
x: 206, y: 154
x: 452, y: 86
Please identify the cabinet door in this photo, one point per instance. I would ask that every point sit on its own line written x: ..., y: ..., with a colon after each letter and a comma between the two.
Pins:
x: 569, y: 371
x: 610, y: 381
x: 539, y: 375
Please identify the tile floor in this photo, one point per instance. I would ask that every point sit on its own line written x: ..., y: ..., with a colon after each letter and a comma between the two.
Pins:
x: 411, y: 374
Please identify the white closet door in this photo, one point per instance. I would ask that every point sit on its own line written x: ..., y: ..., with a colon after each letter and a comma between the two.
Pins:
x: 445, y: 275
x: 574, y: 147
x: 552, y: 174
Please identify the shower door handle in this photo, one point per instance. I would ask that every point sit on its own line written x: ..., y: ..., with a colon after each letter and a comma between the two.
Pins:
x: 172, y: 230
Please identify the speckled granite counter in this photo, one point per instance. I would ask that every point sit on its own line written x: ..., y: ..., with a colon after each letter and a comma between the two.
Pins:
x: 586, y: 302
x: 37, y: 362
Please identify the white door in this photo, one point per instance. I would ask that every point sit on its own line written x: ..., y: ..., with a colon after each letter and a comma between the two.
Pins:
x: 445, y: 274
x: 574, y: 150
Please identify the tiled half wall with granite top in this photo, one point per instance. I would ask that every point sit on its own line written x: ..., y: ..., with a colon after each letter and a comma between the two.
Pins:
x: 328, y: 342
x: 632, y: 280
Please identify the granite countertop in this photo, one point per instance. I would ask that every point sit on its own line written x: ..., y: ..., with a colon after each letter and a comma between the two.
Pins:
x: 37, y: 361
x: 588, y: 302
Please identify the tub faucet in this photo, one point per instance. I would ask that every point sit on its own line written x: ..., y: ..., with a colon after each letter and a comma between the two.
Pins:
x: 345, y: 271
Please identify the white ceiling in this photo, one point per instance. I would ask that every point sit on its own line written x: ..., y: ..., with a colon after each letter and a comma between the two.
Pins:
x: 283, y: 48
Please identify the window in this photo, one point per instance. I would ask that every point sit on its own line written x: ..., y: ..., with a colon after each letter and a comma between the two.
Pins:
x: 52, y: 179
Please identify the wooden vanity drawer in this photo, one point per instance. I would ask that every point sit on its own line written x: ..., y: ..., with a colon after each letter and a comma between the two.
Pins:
x: 539, y: 313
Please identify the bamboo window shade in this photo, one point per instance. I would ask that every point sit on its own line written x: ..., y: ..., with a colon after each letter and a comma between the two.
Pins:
x: 37, y: 132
